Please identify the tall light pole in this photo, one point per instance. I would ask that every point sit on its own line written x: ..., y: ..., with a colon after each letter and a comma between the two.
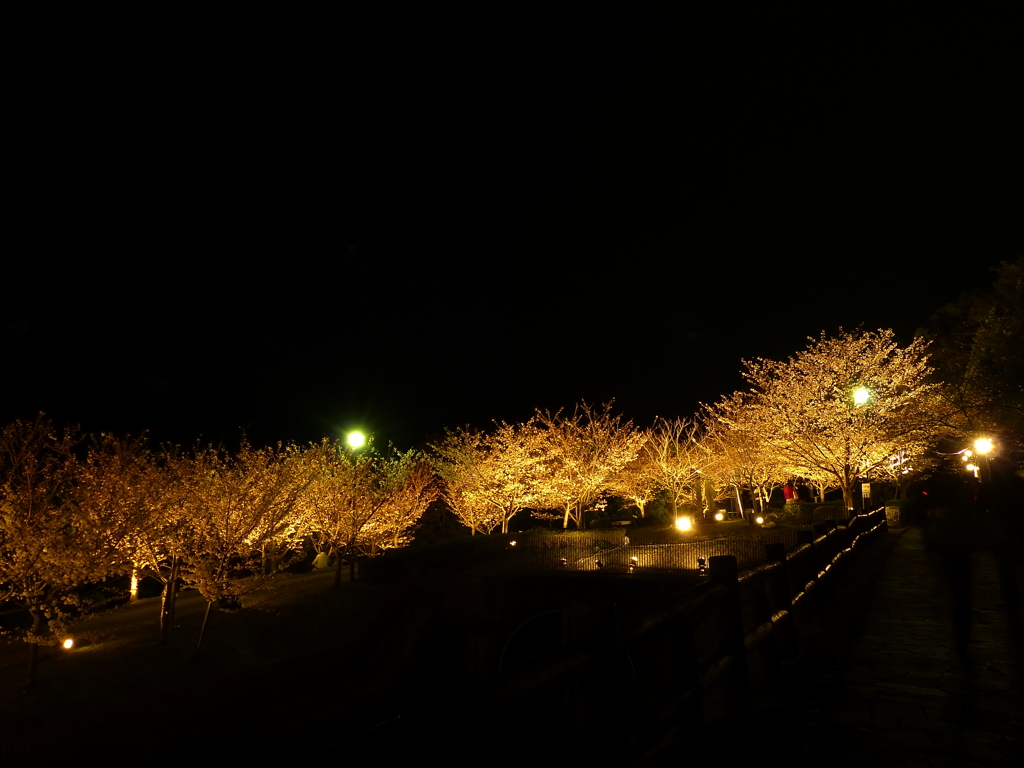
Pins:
x: 355, y: 440
x: 861, y: 396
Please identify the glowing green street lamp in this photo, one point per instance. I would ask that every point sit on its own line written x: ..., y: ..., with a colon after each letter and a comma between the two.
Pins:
x: 355, y: 440
x: 861, y: 396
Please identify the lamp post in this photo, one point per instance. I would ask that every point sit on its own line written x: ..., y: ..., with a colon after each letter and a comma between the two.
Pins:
x: 982, y: 447
x: 861, y: 396
x: 355, y: 440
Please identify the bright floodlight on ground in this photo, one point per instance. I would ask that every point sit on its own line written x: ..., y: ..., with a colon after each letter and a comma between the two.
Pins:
x: 983, y: 445
x: 355, y: 439
x: 719, y: 516
x: 684, y: 523
x: 68, y: 644
x: 759, y: 520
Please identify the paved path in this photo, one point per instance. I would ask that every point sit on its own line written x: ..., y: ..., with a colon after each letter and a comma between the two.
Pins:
x: 884, y: 683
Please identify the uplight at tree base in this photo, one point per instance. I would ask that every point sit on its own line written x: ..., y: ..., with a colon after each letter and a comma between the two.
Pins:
x: 68, y: 644
x: 684, y: 523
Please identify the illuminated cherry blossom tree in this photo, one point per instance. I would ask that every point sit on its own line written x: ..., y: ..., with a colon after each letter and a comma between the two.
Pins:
x: 679, y: 459
x: 124, y: 480
x: 843, y: 406
x: 237, y: 506
x: 401, y: 487
x: 743, y: 458
x: 487, y: 477
x: 637, y: 481
x: 360, y: 503
x: 584, y: 452
x: 51, y: 539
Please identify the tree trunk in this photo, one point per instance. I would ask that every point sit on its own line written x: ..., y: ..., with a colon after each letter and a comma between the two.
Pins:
x: 168, y: 600
x: 33, y: 654
x: 202, y: 630
x: 352, y: 560
x: 848, y: 496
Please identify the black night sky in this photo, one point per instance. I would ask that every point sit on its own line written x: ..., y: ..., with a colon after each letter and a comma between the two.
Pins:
x: 406, y: 231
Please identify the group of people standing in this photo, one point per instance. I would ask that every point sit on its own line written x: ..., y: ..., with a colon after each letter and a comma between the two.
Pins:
x: 797, y: 491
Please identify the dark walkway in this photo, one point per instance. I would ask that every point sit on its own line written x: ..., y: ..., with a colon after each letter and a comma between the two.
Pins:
x: 883, y: 683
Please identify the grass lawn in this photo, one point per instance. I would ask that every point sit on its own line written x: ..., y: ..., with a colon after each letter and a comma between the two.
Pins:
x: 117, y: 676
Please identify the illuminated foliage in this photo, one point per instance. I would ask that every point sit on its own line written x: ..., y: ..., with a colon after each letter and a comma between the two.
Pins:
x: 399, y: 488
x: 679, y: 460
x: 584, y: 454
x: 127, y: 482
x: 51, y: 539
x: 804, y: 408
x: 742, y: 458
x: 489, y: 477
x: 637, y: 482
x: 236, y: 506
x: 358, y: 502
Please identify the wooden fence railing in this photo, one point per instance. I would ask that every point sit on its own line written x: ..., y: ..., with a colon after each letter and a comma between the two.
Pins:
x: 655, y: 678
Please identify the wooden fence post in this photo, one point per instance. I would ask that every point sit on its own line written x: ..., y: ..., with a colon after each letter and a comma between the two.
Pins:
x: 724, y: 572
x: 780, y: 598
